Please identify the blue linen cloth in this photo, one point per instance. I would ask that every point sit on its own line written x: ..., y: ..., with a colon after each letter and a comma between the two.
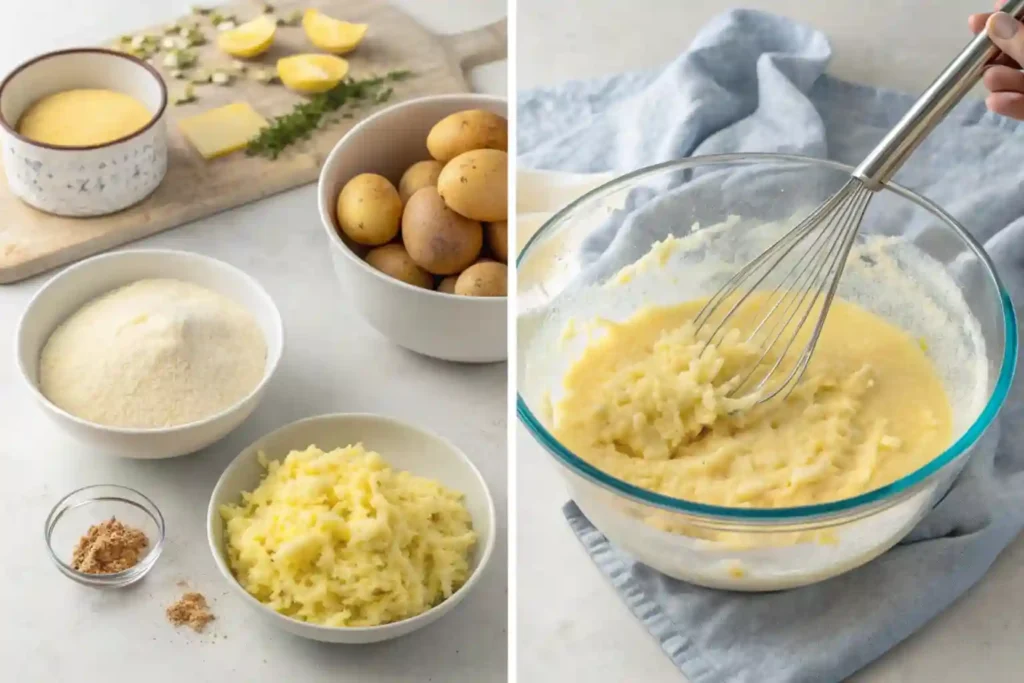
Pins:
x: 750, y: 82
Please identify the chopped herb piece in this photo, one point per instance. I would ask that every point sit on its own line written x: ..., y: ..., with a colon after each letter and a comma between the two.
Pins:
x: 194, y: 37
x: 187, y: 94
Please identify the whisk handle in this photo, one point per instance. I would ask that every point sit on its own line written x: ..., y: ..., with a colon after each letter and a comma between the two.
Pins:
x: 949, y: 88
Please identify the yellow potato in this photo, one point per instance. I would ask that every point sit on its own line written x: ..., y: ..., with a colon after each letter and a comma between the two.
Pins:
x: 465, y: 131
x: 394, y: 260
x: 497, y: 239
x: 483, y: 279
x: 437, y: 238
x: 416, y: 177
x: 475, y: 184
x: 369, y: 209
x: 447, y: 285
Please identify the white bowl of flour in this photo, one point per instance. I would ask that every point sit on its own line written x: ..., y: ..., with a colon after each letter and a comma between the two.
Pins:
x: 149, y: 353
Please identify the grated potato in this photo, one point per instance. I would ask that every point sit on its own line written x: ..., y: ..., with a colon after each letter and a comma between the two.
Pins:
x: 339, y: 538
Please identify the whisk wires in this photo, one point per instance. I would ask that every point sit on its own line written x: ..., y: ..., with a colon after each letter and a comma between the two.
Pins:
x: 781, y: 288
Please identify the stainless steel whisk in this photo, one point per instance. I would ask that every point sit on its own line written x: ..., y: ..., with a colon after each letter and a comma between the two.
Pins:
x: 808, y: 261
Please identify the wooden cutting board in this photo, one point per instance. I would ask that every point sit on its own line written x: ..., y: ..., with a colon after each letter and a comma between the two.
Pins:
x: 33, y: 242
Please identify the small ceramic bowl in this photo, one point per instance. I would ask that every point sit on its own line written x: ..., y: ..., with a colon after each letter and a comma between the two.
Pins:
x: 405, y: 448
x: 72, y: 516
x: 83, y: 181
x: 445, y: 326
x: 68, y: 291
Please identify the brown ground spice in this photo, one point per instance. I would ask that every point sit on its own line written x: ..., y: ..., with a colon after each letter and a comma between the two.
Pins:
x: 109, y: 547
x: 190, y: 610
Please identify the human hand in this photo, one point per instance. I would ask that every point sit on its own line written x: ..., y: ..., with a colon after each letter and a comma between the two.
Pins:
x: 1004, y: 79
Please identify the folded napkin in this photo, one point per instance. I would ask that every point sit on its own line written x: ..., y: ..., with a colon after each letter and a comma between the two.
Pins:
x: 755, y: 82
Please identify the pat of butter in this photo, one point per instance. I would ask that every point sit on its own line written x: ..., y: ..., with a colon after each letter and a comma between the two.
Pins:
x: 223, y: 130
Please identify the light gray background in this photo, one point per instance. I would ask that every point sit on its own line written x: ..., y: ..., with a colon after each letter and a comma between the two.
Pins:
x: 53, y: 630
x: 571, y: 624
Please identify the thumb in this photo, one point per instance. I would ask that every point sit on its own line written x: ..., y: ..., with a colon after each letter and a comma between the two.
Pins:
x: 1007, y: 34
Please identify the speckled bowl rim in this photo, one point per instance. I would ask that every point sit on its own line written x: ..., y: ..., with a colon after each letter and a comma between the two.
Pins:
x: 6, y: 125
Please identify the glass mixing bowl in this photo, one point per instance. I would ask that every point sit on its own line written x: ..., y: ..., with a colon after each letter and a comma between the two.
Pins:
x: 913, y: 265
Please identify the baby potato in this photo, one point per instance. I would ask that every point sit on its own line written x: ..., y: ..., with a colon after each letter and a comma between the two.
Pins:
x: 497, y: 239
x: 489, y: 278
x: 467, y: 130
x: 438, y: 239
x: 394, y: 260
x: 369, y: 209
x: 447, y: 285
x: 475, y: 184
x: 416, y: 177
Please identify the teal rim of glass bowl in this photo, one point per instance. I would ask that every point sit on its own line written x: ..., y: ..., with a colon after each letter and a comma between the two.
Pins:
x: 801, y: 512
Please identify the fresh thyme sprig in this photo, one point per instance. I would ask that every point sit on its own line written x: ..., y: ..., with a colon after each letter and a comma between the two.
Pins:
x: 300, y: 122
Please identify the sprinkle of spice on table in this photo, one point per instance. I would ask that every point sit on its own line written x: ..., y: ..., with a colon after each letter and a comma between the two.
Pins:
x: 190, y: 610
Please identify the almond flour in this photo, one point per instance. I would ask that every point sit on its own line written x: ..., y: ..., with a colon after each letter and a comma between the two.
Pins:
x: 154, y: 353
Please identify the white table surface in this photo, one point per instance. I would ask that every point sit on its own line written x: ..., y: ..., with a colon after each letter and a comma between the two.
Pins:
x: 53, y: 630
x: 571, y: 623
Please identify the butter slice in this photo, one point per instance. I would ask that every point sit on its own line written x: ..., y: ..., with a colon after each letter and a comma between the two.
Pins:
x: 223, y: 130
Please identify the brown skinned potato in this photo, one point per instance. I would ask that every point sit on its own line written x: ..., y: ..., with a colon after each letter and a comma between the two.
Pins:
x: 497, y: 239
x: 438, y: 239
x: 416, y: 177
x: 369, y: 209
x: 475, y: 185
x: 447, y: 285
x: 394, y: 260
x: 467, y: 130
x: 483, y: 279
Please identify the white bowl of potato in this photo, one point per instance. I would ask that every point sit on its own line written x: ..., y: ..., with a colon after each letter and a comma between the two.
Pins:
x: 405, y: 449
x: 414, y: 201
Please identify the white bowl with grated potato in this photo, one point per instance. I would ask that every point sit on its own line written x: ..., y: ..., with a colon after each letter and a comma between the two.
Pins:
x: 406, y: 449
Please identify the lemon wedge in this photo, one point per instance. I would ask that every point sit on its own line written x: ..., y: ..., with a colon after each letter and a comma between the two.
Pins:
x: 330, y: 34
x: 311, y: 73
x: 250, y: 39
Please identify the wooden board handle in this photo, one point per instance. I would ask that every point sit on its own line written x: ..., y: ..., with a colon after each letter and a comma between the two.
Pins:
x: 481, y: 45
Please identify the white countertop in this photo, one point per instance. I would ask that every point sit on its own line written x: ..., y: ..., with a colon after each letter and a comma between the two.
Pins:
x: 571, y: 623
x: 54, y: 630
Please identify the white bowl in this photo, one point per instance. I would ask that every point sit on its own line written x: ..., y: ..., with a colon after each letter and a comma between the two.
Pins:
x: 68, y: 291
x: 83, y: 181
x: 445, y: 326
x: 404, y: 447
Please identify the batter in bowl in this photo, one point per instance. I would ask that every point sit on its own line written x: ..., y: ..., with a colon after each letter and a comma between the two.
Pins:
x: 642, y: 404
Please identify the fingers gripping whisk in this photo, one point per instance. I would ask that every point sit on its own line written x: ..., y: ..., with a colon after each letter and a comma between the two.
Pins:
x: 780, y: 299
x: 784, y: 294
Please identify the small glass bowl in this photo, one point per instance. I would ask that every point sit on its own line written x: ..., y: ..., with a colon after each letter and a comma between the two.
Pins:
x: 72, y: 516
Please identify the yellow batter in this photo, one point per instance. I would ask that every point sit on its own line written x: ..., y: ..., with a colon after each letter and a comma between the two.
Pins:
x: 641, y: 405
x: 83, y: 117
